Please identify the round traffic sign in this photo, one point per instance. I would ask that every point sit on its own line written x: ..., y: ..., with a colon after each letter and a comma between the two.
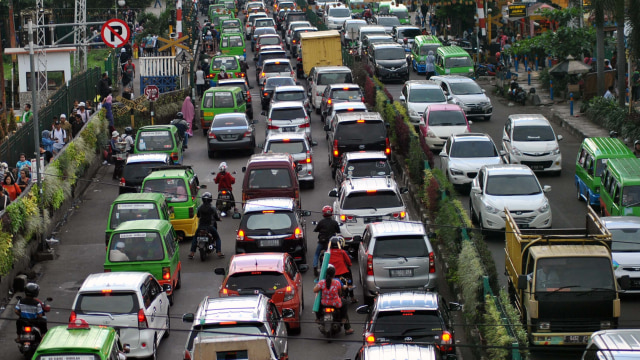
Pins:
x: 152, y: 92
x: 115, y: 33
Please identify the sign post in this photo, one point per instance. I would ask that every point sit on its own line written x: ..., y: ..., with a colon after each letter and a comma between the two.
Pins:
x: 115, y: 33
x: 130, y: 105
x: 152, y: 93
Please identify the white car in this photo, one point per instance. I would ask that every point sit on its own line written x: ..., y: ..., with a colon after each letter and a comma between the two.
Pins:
x: 339, y: 108
x: 132, y: 302
x: 416, y: 95
x: 515, y: 187
x: 463, y: 155
x: 321, y: 76
x: 292, y: 25
x: 467, y: 94
x: 529, y: 139
x: 625, y: 248
x: 349, y: 30
x: 288, y: 117
x: 276, y: 67
x: 300, y: 149
x: 248, y: 26
x: 336, y: 16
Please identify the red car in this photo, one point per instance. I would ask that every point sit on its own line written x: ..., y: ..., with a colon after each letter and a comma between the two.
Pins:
x: 275, y: 275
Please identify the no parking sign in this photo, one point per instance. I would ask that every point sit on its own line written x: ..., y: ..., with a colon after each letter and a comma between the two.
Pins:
x: 115, y: 33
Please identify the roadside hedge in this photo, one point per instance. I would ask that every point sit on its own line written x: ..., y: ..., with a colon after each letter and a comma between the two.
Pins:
x: 612, y: 117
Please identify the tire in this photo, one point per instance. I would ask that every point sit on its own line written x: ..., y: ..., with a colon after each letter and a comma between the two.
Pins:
x: 211, y: 154
x: 312, y: 184
x: 474, y: 217
x: 168, y: 331
x: 154, y: 354
x: 317, y: 110
x: 203, y: 254
x: 170, y: 298
x: 578, y: 193
x: 295, y: 331
x: 179, y: 282
x: 333, y: 172
x: 204, y: 132
x: 368, y: 300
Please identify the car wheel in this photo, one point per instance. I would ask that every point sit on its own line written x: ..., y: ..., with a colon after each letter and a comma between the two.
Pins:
x: 295, y: 331
x: 474, y: 218
x: 170, y: 298
x: 578, y: 193
x: 368, y: 300
x: 154, y: 354
x: 317, y: 110
x: 557, y: 173
x: 312, y: 184
x: 333, y: 173
x: 179, y: 282
x: 167, y: 332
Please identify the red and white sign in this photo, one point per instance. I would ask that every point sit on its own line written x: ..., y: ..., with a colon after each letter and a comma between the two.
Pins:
x: 115, y: 33
x: 151, y: 92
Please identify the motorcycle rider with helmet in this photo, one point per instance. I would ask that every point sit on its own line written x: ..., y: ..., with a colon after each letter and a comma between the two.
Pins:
x: 331, y: 290
x: 183, y: 127
x: 225, y: 181
x: 326, y: 228
x: 30, y: 310
x: 636, y: 148
x: 207, y: 215
x: 342, y: 262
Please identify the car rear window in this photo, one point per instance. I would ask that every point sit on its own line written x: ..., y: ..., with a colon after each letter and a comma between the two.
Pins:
x: 400, y: 246
x: 270, y: 179
x: 263, y: 30
x: 136, y: 172
x: 107, y: 302
x: 271, y: 220
x: 266, y: 282
x: 264, y: 22
x: 173, y: 189
x: 287, y: 113
x: 296, y: 17
x: 290, y: 96
x: 334, y: 78
x: 155, y: 141
x: 349, y: 95
x: 231, y: 41
x: 412, y: 323
x: 218, y: 330
x: 372, y: 200
x: 276, y: 67
x: 136, y: 246
x: 447, y: 118
x: 269, y: 40
x: 228, y: 122
x: 279, y: 81
x: 223, y: 99
x: 533, y: 133
x: 272, y: 55
x: 368, y: 168
x: 229, y: 62
x: 133, y: 211
x: 358, y: 132
x: 288, y: 147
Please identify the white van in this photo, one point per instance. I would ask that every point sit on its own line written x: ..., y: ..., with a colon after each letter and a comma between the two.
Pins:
x: 335, y: 16
x: 321, y: 76
x: 620, y: 344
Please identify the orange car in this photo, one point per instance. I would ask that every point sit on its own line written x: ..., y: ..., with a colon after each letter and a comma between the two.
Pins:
x: 275, y: 275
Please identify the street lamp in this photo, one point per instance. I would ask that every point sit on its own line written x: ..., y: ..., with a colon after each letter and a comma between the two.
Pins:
x: 120, y: 3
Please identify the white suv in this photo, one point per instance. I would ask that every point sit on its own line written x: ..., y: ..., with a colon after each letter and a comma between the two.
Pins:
x: 515, y: 187
x: 288, y: 117
x: 335, y: 16
x: 133, y: 303
x: 464, y: 154
x: 530, y: 140
x: 416, y: 95
x: 366, y: 200
x: 320, y: 77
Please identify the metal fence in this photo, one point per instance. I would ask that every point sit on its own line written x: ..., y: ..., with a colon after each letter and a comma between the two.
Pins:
x: 82, y: 88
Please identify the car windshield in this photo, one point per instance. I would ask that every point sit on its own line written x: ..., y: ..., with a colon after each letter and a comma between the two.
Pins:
x: 229, y: 62
x: 335, y: 77
x: 263, y: 30
x: 631, y: 196
x: 533, y: 133
x: 270, y: 220
x: 465, y: 88
x: 269, y: 40
x: 204, y: 332
x: 348, y: 95
x: 368, y: 200
x: 377, y: 40
x: 137, y: 246
x: 388, y: 20
x: 427, y: 96
x: 279, y: 81
x: 290, y: 96
x: 296, y: 17
x: 223, y: 99
x: 400, y: 246
x: 136, y: 172
x: 625, y: 239
x: 107, y: 302
x: 393, y: 53
x: 459, y: 61
x: 368, y: 168
x: 173, y: 189
x: 447, y: 118
x: 155, y: 141
x: 231, y: 41
x: 270, y: 179
x: 473, y: 149
x: 357, y: 132
x: 512, y: 185
x: 409, y: 33
x: 227, y: 122
x: 288, y: 147
x: 133, y: 211
x: 287, y: 113
x: 574, y: 274
x: 424, y: 49
x: 248, y: 283
x: 339, y: 12
x: 411, y: 323
x: 277, y: 68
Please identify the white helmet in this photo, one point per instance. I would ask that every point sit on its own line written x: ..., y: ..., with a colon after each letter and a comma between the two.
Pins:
x: 223, y: 166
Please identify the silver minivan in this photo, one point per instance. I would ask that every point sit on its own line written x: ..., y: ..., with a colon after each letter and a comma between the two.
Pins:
x: 288, y: 117
x: 620, y: 344
x: 395, y: 255
x: 300, y: 149
x: 276, y: 67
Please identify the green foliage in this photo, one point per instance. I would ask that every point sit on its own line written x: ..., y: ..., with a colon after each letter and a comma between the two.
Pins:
x: 470, y: 280
x: 15, y: 210
x: 513, y: 315
x: 544, y: 77
x: 416, y: 160
x: 381, y: 101
x: 494, y: 334
x: 607, y: 114
x: 6, y: 254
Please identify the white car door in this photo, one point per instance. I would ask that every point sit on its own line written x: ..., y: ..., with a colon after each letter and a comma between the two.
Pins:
x: 476, y: 198
x: 506, y: 139
x: 156, y: 306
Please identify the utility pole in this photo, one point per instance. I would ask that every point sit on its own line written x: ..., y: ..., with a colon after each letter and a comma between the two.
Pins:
x: 43, y: 83
x: 12, y: 41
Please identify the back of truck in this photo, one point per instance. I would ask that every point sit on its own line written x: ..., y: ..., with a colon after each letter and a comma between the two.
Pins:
x: 232, y: 347
x: 320, y: 48
x: 563, y: 281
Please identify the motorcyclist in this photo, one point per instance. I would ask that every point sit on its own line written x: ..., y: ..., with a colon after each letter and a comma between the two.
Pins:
x: 207, y: 215
x: 183, y: 127
x: 513, y: 88
x: 342, y: 262
x: 330, y: 290
x: 326, y: 228
x: 225, y: 181
x: 30, y: 310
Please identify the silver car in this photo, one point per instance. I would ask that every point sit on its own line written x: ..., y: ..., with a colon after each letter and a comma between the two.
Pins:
x: 300, y: 149
x: 290, y: 93
x: 288, y: 117
x: 625, y: 248
x: 395, y: 255
x: 467, y: 94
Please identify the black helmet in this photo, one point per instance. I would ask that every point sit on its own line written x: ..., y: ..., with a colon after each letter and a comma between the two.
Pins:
x: 179, y: 115
x: 207, y: 197
x: 636, y: 143
x: 331, y: 271
x: 336, y: 242
x: 128, y: 130
x: 33, y: 289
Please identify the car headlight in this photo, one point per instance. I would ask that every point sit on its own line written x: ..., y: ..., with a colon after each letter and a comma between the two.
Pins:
x: 544, y: 325
x: 515, y: 151
x: 544, y: 208
x: 492, y: 210
x: 431, y: 134
x: 555, y: 151
x: 454, y: 171
x: 605, y: 324
x: 412, y: 112
x: 404, y: 65
x: 379, y: 66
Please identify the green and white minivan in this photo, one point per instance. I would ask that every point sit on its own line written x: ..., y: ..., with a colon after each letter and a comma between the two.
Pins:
x: 620, y: 190
x: 137, y: 206
x: 591, y: 163
x: 453, y: 60
x: 159, y: 139
x: 422, y: 44
x: 80, y: 341
x: 220, y: 100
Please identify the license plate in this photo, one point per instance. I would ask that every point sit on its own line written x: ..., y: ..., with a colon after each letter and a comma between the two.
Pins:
x: 203, y: 239
x: 269, y: 243
x: 27, y: 337
x: 536, y: 167
x: 289, y: 129
x: 576, y: 339
x: 228, y: 136
x: 370, y: 219
x: 401, y: 272
x: 328, y: 317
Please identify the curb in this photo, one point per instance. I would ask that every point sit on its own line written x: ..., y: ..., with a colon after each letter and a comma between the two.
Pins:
x: 578, y: 130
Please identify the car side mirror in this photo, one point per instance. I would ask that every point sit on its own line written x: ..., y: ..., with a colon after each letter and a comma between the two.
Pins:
x: 166, y: 287
x: 236, y: 216
x: 443, y: 154
x: 327, y: 128
x: 126, y: 348
x: 454, y: 306
x: 189, y: 317
x: 560, y: 137
x: 470, y: 122
x: 287, y: 313
x: 506, y: 138
x: 303, y: 268
x: 357, y: 239
x: 219, y: 271
x: 546, y: 188
x: 263, y: 113
x: 449, y: 97
x: 333, y: 193
x: 522, y: 282
x: 404, y: 190
x: 484, y: 91
x: 476, y: 190
x: 402, y: 98
x: 244, y: 169
x: 364, y: 309
x: 502, y: 153
x: 305, y: 213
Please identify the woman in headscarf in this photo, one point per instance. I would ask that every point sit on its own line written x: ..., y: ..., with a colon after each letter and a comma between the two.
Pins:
x: 107, y: 104
x: 188, y: 112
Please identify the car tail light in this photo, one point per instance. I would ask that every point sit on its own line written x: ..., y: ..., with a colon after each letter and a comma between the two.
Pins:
x: 265, y: 94
x: 122, y: 182
x: 142, y: 320
x: 306, y: 124
x: 107, y: 270
x: 293, y: 74
x: 432, y: 263
x: 244, y: 50
x: 187, y: 355
x: 248, y: 96
x: 293, y: 41
x: 299, y: 58
x: 369, y: 338
x: 247, y: 133
x: 289, y: 293
x: 262, y: 74
x: 174, y: 156
x: 240, y: 235
x: 369, y: 265
x: 348, y: 218
x: 238, y: 74
x: 399, y: 215
x: 308, y: 157
x: 212, y: 135
x: 329, y: 101
x: 298, y: 233
x: 226, y: 292
x: 166, y: 273
x: 191, y: 212
x: 446, y: 341
x: 362, y: 99
x: 72, y: 317
x: 336, y: 152
x: 272, y: 127
x: 387, y: 149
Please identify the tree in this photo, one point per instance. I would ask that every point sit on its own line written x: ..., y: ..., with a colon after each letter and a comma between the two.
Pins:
x: 600, y: 7
x: 620, y: 60
x: 634, y: 21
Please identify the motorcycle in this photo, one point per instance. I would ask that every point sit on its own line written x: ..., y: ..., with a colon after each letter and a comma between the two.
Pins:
x: 517, y: 93
x: 31, y: 333
x: 205, y: 243
x: 225, y: 200
x: 330, y: 323
x: 486, y: 70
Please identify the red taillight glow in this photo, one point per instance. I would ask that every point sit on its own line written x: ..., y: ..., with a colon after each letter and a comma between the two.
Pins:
x: 446, y: 340
x: 329, y: 310
x: 265, y: 94
x: 308, y: 157
x: 212, y: 135
x: 432, y: 263
x: 370, y: 266
x: 272, y: 127
x: 305, y: 125
x: 27, y: 329
x: 174, y: 156
x: 336, y: 152
x: 329, y: 102
x: 372, y: 191
x: 370, y: 338
x: 106, y: 291
x: 187, y: 355
x: 142, y: 320
x: 298, y: 233
x: 387, y: 150
x: 72, y: 317
x: 166, y: 273
x: 240, y: 235
x: 122, y: 182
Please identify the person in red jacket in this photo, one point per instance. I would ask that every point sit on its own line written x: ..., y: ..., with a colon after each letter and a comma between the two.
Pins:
x: 342, y: 262
x: 225, y: 181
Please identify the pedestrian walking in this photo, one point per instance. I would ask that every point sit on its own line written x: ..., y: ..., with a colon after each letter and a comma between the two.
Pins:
x: 83, y: 112
x: 430, y: 65
x: 27, y: 114
x: 158, y: 2
x: 188, y: 112
x: 200, y: 82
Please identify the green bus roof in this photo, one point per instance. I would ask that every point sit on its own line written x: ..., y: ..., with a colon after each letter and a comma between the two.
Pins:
x: 158, y: 127
x: 150, y: 197
x: 627, y: 168
x: 143, y: 226
x: 452, y: 50
x: 608, y: 147
x: 60, y: 339
x: 427, y: 39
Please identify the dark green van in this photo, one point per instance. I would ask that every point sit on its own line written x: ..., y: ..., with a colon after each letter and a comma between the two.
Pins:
x: 220, y: 100
x: 146, y: 246
x: 80, y: 341
x: 453, y: 60
x: 159, y: 139
x: 137, y: 206
x: 591, y: 163
x: 422, y: 44
x: 620, y: 190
